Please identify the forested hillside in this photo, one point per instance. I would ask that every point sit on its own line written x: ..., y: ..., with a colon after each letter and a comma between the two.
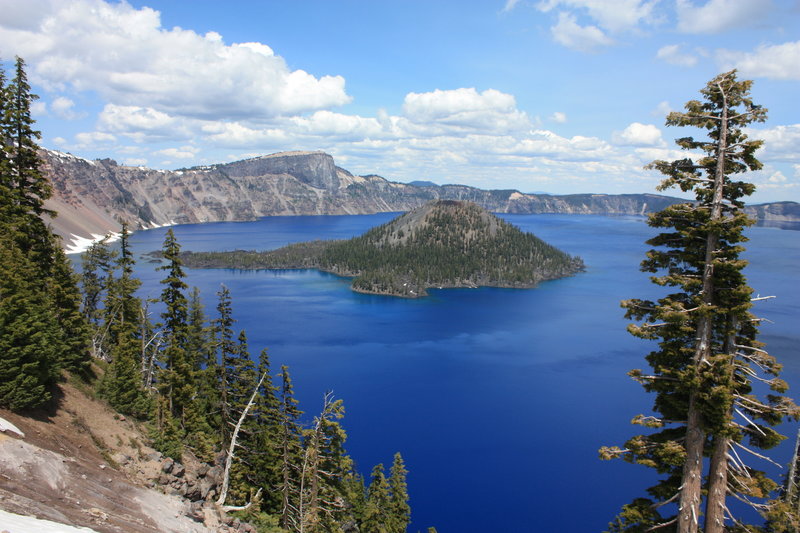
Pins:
x: 188, y: 381
x: 445, y: 243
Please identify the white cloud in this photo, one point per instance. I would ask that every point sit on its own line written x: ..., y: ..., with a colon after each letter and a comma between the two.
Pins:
x: 616, y: 16
x: 125, y: 54
x: 638, y: 134
x: 781, y: 143
x: 510, y: 4
x: 237, y: 135
x: 716, y: 16
x: 184, y: 152
x: 672, y: 54
x: 567, y: 32
x: 92, y: 139
x: 662, y: 109
x: 141, y: 123
x: 559, y: 117
x: 778, y: 62
x: 38, y: 109
x: 62, y: 107
x: 465, y: 109
x: 134, y: 162
x: 777, y: 178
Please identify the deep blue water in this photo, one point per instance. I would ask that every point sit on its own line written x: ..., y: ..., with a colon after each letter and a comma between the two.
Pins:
x: 498, y: 399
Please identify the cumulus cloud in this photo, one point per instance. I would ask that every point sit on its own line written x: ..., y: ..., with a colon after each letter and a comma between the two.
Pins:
x: 184, y: 152
x: 125, y: 54
x: 616, y: 16
x: 142, y: 123
x: 673, y: 55
x: 778, y: 62
x: 63, y: 107
x: 781, y: 143
x: 559, y: 117
x: 465, y: 109
x: 567, y: 32
x: 716, y: 16
x: 93, y: 138
x: 638, y: 134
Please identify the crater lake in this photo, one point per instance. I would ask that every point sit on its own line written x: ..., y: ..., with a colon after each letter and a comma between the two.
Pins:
x: 498, y: 399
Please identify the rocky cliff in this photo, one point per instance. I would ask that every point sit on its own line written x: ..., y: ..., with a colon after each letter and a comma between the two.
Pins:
x: 92, y: 197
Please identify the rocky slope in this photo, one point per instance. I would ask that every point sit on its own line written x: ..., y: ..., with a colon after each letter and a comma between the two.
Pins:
x: 91, y: 197
x: 81, y: 464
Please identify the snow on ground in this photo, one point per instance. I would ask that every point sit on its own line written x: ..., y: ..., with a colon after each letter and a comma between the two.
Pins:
x: 14, y: 523
x: 8, y: 427
x: 81, y: 244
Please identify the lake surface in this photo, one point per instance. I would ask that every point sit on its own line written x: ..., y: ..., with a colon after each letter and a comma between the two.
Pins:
x: 498, y: 399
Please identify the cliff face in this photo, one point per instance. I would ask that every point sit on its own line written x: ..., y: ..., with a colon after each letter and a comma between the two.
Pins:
x: 92, y: 197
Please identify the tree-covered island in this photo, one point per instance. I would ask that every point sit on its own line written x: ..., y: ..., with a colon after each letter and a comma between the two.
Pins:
x: 442, y: 244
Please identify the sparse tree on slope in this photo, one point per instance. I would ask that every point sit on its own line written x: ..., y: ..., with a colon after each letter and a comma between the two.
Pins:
x: 708, y: 355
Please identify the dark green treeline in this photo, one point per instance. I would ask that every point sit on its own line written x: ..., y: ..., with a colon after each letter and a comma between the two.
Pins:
x: 42, y: 331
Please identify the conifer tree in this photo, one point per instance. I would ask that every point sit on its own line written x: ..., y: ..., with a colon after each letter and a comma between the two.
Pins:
x: 43, y: 330
x: 290, y: 452
x: 177, y: 383
x: 203, y: 413
x: 322, y: 469
x: 708, y: 355
x: 399, y: 510
x: 28, y: 332
x: 264, y: 446
x: 377, y: 515
x: 226, y: 348
x: 97, y: 264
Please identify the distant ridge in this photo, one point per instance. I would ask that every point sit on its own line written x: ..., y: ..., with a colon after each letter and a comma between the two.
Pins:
x: 92, y: 197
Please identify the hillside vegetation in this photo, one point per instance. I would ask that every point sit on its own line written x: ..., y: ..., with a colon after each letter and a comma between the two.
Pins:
x: 445, y: 243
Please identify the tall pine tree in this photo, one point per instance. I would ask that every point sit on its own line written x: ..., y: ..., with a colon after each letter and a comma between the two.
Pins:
x: 708, y: 355
x: 42, y: 330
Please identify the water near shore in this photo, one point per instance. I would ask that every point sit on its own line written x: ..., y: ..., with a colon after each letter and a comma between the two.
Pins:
x: 498, y: 399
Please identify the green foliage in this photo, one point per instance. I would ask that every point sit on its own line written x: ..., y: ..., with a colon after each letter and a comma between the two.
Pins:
x: 707, y: 355
x: 377, y: 515
x: 41, y: 328
x: 399, y: 510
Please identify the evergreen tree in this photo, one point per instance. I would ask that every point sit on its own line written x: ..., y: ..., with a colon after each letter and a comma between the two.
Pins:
x: 290, y: 452
x: 203, y: 411
x: 322, y: 470
x: 42, y: 330
x: 708, y: 355
x: 177, y: 383
x: 28, y: 332
x: 399, y: 510
x: 226, y: 348
x: 97, y: 264
x: 32, y: 187
x: 265, y: 458
x: 377, y: 515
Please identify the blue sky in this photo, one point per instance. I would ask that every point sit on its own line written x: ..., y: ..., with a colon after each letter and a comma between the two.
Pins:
x: 558, y: 96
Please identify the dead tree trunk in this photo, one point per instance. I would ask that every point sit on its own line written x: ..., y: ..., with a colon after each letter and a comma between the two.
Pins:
x: 226, y: 476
